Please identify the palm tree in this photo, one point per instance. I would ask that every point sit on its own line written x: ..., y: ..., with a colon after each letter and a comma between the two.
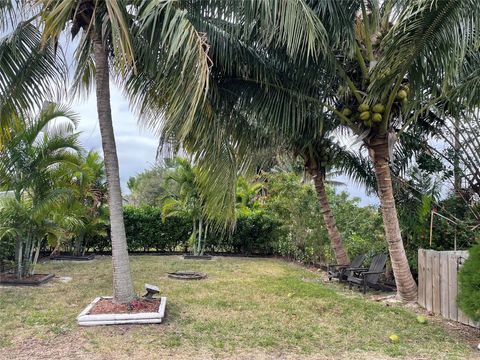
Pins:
x: 86, y: 181
x: 30, y: 70
x: 186, y: 201
x: 370, y: 66
x: 165, y: 65
x: 385, y: 64
x: 28, y: 168
x: 248, y: 194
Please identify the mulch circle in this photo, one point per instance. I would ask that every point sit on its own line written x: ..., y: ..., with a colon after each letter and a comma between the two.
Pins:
x: 107, y: 306
x: 187, y: 275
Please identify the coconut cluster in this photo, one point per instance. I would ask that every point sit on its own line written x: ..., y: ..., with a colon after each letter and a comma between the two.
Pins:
x: 370, y: 116
x: 325, y: 160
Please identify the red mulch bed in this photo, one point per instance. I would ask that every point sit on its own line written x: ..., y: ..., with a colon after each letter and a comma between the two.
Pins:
x: 106, y: 306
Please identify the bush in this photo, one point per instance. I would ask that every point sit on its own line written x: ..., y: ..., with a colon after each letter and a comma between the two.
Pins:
x: 469, y: 284
x: 146, y: 230
x: 254, y: 234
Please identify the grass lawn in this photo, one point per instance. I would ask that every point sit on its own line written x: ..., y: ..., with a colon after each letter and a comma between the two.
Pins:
x: 241, y: 311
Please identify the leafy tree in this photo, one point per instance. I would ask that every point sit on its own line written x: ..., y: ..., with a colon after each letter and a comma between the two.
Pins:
x: 149, y: 187
x: 248, y: 194
x: 304, y: 235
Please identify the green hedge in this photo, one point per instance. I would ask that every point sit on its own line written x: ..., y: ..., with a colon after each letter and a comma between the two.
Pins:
x: 146, y: 230
x: 255, y: 234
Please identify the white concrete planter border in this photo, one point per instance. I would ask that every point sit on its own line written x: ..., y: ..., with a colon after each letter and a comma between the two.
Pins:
x: 84, y: 319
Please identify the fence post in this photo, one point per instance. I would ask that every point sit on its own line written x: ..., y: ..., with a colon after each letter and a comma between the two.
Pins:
x: 421, y: 277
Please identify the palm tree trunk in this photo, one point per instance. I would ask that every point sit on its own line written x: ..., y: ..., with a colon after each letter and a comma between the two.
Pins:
x: 194, y: 237
x: 334, y: 235
x: 406, y: 286
x: 123, y: 290
x: 199, y: 246
x: 19, y: 256
x: 78, y: 244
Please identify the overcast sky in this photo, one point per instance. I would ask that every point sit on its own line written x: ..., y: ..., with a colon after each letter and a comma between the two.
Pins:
x: 136, y: 148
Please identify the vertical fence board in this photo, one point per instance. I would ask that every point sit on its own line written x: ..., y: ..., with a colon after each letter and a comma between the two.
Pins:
x: 444, y: 308
x: 452, y: 286
x: 438, y: 286
x: 421, y: 277
x: 436, y: 283
x: 428, y: 281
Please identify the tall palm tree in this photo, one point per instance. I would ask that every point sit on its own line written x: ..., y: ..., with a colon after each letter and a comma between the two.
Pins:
x: 165, y: 64
x: 387, y: 63
x: 104, y: 44
x: 374, y: 56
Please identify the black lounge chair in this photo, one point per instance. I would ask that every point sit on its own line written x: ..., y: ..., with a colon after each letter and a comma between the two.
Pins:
x: 364, y: 277
x: 339, y: 271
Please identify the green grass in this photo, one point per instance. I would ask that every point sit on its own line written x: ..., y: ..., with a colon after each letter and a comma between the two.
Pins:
x: 242, y: 310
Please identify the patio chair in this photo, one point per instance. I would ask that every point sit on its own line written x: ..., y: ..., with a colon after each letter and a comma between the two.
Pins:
x: 339, y: 271
x: 368, y: 277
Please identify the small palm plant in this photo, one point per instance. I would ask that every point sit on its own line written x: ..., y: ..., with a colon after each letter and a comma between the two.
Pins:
x: 186, y: 200
x: 248, y: 194
x: 28, y: 165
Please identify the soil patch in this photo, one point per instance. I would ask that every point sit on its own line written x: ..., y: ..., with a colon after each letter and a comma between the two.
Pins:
x: 197, y: 257
x: 187, y: 275
x: 106, y: 306
x: 32, y: 280
x: 70, y: 257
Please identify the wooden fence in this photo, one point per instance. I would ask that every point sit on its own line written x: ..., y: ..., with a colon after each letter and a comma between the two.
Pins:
x: 437, y: 283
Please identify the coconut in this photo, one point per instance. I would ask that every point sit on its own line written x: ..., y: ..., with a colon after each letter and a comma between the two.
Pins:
x: 363, y: 107
x: 378, y: 108
x: 365, y: 115
x: 347, y: 112
x: 421, y: 319
x: 394, y: 338
x: 377, y: 117
x: 402, y: 94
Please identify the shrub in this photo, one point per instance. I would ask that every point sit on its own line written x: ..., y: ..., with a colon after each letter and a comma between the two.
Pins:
x: 146, y: 230
x: 469, y: 284
x: 255, y: 233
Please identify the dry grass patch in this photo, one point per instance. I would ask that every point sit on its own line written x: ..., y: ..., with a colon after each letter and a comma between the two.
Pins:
x: 240, y: 311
